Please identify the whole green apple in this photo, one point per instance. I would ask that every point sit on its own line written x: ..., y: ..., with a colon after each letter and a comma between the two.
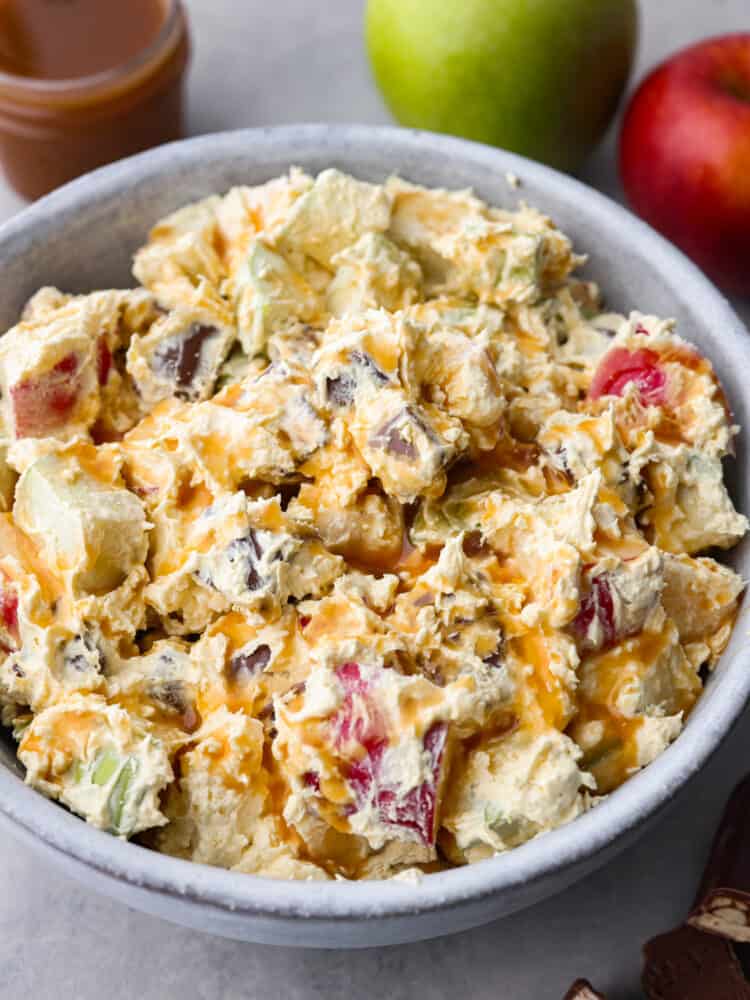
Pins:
x: 540, y: 77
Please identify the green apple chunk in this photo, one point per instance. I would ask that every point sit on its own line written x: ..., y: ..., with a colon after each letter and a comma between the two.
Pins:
x: 539, y: 77
x: 92, y: 532
x: 99, y: 762
x: 333, y: 214
x: 270, y: 295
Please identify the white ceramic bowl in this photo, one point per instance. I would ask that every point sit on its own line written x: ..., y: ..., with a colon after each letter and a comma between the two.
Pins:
x: 82, y: 237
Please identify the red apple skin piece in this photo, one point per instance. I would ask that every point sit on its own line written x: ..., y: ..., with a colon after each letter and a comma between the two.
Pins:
x: 619, y: 367
x: 414, y: 810
x: 597, y: 603
x: 359, y: 720
x: 43, y: 405
x: 8, y: 616
x: 103, y: 361
x: 685, y: 155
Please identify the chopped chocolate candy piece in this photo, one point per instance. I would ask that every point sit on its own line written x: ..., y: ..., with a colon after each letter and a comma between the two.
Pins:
x: 191, y: 720
x: 363, y: 360
x: 80, y: 654
x: 390, y: 436
x: 173, y: 698
x: 250, y: 663
x: 495, y: 659
x: 583, y: 990
x: 340, y: 390
x: 267, y: 713
x: 558, y: 459
x: 723, y: 901
x: 248, y: 551
x: 171, y: 695
x: 685, y: 964
x: 474, y: 544
x: 287, y: 492
x: 180, y: 357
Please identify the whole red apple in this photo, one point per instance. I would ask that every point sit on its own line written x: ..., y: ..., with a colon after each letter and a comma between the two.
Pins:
x: 685, y: 155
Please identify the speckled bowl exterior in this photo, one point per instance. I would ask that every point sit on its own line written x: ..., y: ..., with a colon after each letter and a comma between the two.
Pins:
x: 82, y: 237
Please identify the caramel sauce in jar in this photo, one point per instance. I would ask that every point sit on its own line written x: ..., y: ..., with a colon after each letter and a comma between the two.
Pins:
x: 86, y: 82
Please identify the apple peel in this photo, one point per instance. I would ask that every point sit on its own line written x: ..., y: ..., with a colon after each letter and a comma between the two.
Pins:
x: 360, y: 720
x: 620, y: 368
x: 44, y: 404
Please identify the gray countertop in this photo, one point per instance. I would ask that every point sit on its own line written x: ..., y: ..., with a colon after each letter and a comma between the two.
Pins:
x: 294, y: 60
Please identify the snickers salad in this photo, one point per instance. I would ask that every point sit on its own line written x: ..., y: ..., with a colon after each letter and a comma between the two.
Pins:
x: 358, y: 540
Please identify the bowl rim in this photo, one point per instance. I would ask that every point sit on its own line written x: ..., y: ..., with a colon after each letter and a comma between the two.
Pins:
x: 584, y: 839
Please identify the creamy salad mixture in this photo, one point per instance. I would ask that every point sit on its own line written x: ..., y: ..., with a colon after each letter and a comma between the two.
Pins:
x: 358, y: 539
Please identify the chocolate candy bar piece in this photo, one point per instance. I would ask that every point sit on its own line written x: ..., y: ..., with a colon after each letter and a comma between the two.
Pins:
x: 685, y: 964
x: 583, y: 990
x: 722, y: 904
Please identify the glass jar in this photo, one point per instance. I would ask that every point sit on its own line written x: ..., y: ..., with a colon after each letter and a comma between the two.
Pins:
x: 53, y: 130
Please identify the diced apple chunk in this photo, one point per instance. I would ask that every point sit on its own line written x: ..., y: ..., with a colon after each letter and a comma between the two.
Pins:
x: 89, y: 527
x: 691, y: 509
x: 512, y: 789
x: 8, y: 615
x: 701, y: 595
x: 382, y: 772
x: 99, y: 761
x: 270, y: 295
x: 620, y: 368
x: 617, y: 599
x: 333, y: 214
x: 48, y: 374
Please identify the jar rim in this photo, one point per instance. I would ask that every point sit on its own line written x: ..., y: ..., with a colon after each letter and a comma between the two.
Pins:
x: 70, y: 86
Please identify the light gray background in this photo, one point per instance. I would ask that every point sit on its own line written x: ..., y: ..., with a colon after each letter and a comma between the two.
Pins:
x: 268, y: 62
